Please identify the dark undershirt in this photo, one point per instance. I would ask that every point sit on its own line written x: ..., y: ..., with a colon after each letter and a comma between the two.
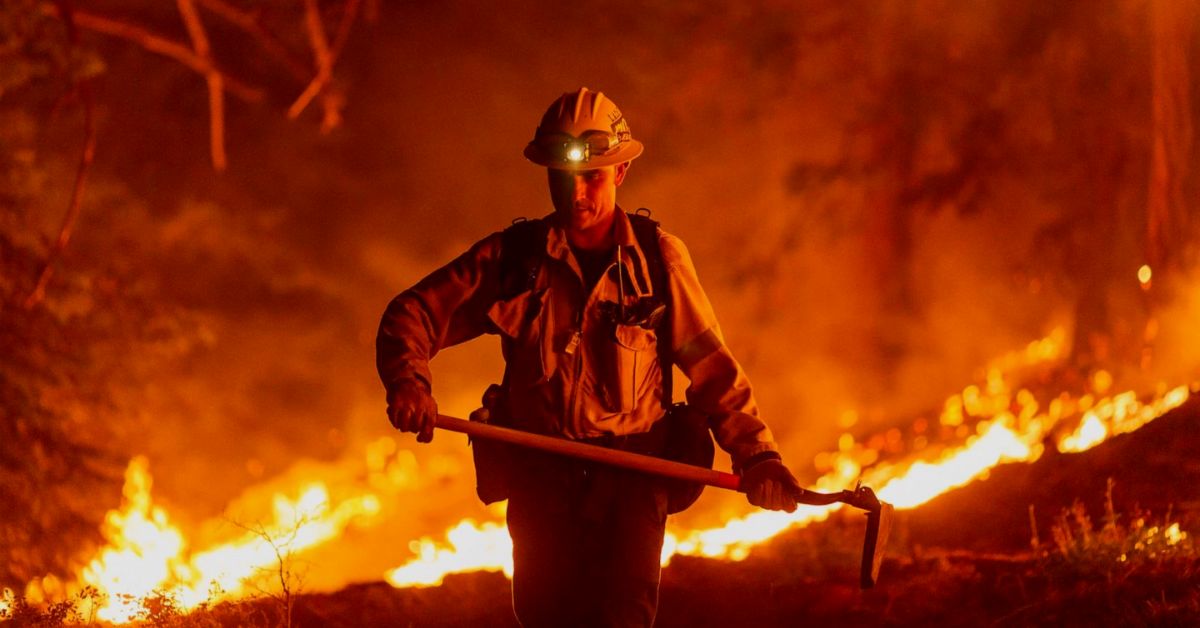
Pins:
x: 593, y: 264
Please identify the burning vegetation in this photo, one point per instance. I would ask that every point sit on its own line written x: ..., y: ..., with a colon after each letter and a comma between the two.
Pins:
x: 190, y: 430
x: 148, y: 562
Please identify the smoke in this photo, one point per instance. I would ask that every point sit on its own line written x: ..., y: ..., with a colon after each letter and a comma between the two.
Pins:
x: 773, y: 137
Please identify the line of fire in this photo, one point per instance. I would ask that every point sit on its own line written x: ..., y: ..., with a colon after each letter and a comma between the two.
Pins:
x: 953, y: 249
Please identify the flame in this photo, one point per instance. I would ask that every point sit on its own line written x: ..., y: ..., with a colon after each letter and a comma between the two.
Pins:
x: 473, y: 547
x: 1174, y: 535
x: 923, y: 481
x: 1144, y: 274
x: 142, y: 550
x: 1007, y: 427
x: 984, y: 425
x: 1119, y: 415
x: 1090, y: 433
x: 302, y: 524
x: 147, y: 554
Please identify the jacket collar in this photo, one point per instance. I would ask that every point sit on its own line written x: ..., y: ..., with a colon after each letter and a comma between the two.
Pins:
x: 631, y: 255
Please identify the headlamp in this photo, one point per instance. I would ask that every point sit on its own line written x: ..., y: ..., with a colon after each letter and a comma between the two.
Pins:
x: 579, y: 150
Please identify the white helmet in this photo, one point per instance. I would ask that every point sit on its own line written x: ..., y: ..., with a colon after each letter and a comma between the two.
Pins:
x: 580, y: 131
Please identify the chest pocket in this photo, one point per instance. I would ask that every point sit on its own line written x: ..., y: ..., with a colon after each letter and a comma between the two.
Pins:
x: 634, y: 356
x: 521, y: 323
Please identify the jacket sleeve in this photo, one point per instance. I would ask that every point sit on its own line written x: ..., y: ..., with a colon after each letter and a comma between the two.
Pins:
x: 718, y: 386
x: 446, y: 308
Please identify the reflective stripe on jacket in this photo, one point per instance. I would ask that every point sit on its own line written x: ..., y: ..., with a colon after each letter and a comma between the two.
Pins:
x: 572, y: 370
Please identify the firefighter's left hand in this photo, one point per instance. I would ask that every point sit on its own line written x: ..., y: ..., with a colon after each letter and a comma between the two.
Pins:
x: 769, y: 484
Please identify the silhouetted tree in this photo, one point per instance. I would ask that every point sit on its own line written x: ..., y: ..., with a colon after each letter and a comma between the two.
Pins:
x: 80, y: 336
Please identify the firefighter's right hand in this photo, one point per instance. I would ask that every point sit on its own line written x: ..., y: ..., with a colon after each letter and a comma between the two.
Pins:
x: 769, y: 484
x: 412, y: 409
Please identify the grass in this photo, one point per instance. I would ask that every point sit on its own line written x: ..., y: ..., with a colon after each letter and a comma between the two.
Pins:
x: 159, y: 610
x: 1114, y: 569
x: 1132, y: 569
x: 1125, y: 544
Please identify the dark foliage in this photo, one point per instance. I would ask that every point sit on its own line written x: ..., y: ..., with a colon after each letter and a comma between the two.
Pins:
x: 70, y: 364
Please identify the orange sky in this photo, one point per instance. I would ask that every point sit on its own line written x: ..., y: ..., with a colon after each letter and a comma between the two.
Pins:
x: 788, y: 147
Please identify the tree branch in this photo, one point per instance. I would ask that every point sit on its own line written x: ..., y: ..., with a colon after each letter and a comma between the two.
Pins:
x: 290, y: 581
x: 251, y: 23
x: 1167, y: 228
x: 325, y: 56
x: 158, y: 44
x: 85, y: 163
x: 331, y: 102
x: 321, y: 58
x: 216, y: 97
x: 343, y: 34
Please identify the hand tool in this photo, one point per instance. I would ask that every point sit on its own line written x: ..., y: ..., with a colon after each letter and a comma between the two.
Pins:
x: 879, y: 514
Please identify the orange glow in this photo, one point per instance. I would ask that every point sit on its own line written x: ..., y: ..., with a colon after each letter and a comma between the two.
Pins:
x: 142, y: 551
x: 146, y: 553
x: 1091, y: 432
x: 1120, y: 414
x: 1008, y: 427
x: 1174, y: 534
x: 989, y: 423
x: 923, y: 481
x: 1144, y: 274
x: 472, y: 547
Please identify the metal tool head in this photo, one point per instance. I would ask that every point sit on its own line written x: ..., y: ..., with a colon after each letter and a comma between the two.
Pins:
x: 879, y: 525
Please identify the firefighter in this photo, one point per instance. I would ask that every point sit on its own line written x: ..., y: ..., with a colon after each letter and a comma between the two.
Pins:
x: 585, y: 330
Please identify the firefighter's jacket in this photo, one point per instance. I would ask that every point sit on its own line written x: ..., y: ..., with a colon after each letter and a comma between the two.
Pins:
x: 572, y: 370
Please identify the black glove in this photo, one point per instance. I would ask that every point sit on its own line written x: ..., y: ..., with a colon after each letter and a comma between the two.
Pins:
x: 768, y: 484
x: 412, y: 409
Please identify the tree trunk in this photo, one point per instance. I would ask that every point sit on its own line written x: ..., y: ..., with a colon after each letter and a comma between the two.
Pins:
x: 1168, y: 223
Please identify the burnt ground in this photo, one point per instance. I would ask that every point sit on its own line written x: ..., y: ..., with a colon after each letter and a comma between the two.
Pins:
x: 963, y: 559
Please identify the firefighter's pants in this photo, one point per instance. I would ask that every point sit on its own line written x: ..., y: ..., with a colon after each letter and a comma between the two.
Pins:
x: 587, y: 543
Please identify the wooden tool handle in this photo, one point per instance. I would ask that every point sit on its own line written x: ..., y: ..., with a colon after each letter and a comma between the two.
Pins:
x: 575, y: 449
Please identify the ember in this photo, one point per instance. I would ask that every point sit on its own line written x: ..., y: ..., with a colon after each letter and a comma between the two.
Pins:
x: 204, y: 205
x: 1000, y: 437
x: 147, y: 554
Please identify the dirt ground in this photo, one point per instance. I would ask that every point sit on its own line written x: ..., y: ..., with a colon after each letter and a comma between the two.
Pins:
x: 964, y: 559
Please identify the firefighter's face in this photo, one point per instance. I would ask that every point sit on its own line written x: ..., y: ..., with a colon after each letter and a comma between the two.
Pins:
x: 586, y: 199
